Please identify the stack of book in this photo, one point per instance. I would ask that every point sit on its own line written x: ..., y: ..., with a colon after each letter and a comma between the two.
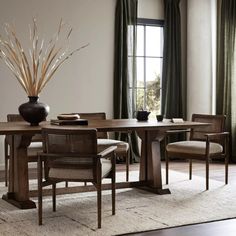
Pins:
x: 69, y: 119
x: 70, y: 122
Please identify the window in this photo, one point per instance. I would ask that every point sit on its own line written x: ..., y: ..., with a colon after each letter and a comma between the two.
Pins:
x: 148, y: 58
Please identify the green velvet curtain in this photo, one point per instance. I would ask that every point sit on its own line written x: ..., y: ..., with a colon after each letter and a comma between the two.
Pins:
x: 226, y: 68
x: 173, y: 86
x: 125, y: 66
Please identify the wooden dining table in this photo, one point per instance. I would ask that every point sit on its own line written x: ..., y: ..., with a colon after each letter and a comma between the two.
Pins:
x: 150, y: 132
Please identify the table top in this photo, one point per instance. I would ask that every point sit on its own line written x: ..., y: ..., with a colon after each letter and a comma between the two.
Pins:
x: 101, y: 125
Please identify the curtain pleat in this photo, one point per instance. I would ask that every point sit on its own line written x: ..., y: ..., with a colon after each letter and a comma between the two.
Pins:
x: 226, y: 74
x: 173, y: 104
x: 125, y: 67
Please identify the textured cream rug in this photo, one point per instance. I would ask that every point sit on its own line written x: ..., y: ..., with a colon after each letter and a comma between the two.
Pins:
x: 136, y: 210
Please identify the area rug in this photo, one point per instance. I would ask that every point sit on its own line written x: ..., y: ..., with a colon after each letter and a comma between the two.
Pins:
x: 136, y: 210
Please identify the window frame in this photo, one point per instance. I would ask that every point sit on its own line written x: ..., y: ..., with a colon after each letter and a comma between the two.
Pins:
x: 147, y: 22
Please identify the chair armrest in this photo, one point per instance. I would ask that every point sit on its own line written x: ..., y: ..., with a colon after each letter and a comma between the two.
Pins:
x: 224, y: 135
x: 177, y: 131
x: 43, y: 156
x: 126, y: 132
x: 112, y: 157
x: 217, y: 134
x: 174, y: 131
x: 107, y: 151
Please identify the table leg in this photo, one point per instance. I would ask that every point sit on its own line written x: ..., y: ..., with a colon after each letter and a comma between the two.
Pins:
x: 150, y: 164
x: 18, y: 193
x: 11, y: 165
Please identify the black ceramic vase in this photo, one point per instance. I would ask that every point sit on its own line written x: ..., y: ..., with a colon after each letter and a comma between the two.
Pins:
x: 33, y: 111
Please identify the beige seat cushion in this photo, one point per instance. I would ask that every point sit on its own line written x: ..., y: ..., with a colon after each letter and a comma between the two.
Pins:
x: 193, y: 147
x: 105, y: 143
x: 68, y: 173
x: 34, y: 148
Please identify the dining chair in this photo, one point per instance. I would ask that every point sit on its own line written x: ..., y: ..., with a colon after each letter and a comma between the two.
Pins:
x: 71, y: 155
x: 104, y: 141
x: 205, y: 143
x: 34, y: 147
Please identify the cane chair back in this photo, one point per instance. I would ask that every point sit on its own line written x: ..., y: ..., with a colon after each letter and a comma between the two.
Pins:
x: 71, y: 155
x: 217, y: 125
x: 95, y: 116
x: 104, y: 141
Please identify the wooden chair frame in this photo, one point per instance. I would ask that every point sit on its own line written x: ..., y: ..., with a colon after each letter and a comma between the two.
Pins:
x: 95, y: 165
x: 218, y: 136
x: 104, y: 135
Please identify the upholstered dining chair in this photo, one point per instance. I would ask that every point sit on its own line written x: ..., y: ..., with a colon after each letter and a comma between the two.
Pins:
x: 104, y: 141
x: 204, y: 144
x: 71, y: 155
x: 34, y: 147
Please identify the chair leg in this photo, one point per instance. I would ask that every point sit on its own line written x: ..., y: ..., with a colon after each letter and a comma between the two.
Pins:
x: 99, y: 194
x: 127, y: 165
x: 190, y: 168
x: 167, y: 169
x: 6, y: 172
x: 66, y: 184
x: 113, y: 191
x: 99, y: 203
x: 226, y: 169
x: 207, y: 173
x: 54, y: 196
x: 40, y: 202
x: 6, y: 162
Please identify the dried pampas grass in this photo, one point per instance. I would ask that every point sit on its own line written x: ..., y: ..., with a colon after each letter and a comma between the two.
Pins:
x: 35, y: 70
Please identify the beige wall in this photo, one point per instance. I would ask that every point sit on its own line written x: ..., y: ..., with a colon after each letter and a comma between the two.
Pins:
x: 75, y: 85
x: 85, y: 82
x: 152, y: 9
x: 200, y: 56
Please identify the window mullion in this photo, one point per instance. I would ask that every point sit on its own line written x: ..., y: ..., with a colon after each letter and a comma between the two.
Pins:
x: 144, y: 61
x: 146, y: 86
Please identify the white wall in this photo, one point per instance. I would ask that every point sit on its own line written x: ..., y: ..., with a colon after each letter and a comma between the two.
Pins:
x: 199, y: 56
x: 85, y: 82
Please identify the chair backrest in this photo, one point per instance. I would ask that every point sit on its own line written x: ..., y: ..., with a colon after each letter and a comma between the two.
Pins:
x: 18, y: 117
x: 14, y: 117
x: 62, y: 140
x: 81, y: 144
x: 95, y: 116
x: 217, y: 125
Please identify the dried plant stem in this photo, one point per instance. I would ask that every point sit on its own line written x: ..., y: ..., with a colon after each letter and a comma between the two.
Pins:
x: 34, y: 72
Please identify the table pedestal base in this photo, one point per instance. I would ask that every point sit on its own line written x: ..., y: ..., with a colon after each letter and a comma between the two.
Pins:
x: 9, y: 197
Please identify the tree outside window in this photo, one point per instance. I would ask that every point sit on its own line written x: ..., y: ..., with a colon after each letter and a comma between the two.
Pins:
x: 149, y: 57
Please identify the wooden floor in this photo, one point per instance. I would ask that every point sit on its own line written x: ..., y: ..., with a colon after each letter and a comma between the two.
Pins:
x: 218, y: 228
